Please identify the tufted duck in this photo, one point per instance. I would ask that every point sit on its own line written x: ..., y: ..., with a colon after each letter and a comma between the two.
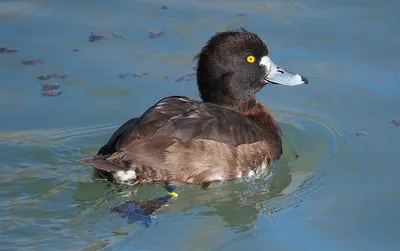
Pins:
x: 227, y: 136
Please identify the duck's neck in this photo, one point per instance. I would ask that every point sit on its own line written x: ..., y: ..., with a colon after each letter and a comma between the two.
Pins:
x: 257, y: 112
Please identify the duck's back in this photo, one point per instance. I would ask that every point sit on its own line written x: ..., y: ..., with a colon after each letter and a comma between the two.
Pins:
x: 188, y: 141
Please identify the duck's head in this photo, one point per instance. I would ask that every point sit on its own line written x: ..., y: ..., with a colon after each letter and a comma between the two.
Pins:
x: 234, y: 65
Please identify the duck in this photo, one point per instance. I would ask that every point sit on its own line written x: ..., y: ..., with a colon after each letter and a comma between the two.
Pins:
x: 226, y: 136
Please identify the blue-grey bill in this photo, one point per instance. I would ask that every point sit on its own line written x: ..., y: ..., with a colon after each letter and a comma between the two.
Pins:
x: 278, y: 75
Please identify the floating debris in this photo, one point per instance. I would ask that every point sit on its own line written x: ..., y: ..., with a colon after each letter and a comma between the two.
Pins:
x: 32, y: 62
x: 123, y: 75
x: 49, y: 93
x: 4, y: 50
x: 52, y: 86
x: 241, y: 14
x: 164, y: 7
x: 61, y: 75
x: 156, y: 33
x: 396, y: 122
x: 186, y: 78
x: 94, y: 37
x: 44, y: 76
x: 139, y: 75
x: 51, y: 89
x: 362, y: 133
x: 48, y: 76
x: 115, y: 34
x: 75, y: 50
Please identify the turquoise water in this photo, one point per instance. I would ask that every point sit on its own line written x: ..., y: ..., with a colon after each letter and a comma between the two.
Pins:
x: 341, y: 192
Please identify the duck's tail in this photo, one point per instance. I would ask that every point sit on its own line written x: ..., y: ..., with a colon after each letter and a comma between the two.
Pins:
x: 85, y: 160
x: 102, y: 163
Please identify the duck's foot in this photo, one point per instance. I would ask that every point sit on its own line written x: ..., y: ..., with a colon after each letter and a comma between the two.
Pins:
x: 171, y: 186
x: 143, y: 210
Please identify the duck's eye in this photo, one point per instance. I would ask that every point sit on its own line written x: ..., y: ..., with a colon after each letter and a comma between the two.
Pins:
x: 251, y: 59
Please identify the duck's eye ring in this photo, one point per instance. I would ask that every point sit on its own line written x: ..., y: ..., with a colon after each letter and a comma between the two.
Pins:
x: 251, y: 59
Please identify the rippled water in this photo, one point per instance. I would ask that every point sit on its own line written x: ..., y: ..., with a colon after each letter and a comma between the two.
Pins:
x: 339, y: 193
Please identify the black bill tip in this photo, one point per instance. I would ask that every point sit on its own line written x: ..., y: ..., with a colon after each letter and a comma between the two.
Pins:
x: 304, y: 79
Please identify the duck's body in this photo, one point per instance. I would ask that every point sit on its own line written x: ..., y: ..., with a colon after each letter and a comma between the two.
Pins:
x: 228, y: 136
x: 183, y: 140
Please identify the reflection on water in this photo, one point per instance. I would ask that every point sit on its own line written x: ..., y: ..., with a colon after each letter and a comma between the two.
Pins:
x: 331, y: 189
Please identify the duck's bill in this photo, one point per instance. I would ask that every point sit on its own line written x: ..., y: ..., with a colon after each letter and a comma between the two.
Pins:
x: 278, y: 75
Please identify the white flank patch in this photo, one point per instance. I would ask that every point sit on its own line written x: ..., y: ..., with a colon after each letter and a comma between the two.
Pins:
x: 266, y: 61
x: 216, y: 177
x: 250, y: 174
x: 124, y: 176
x: 258, y: 169
x: 263, y: 165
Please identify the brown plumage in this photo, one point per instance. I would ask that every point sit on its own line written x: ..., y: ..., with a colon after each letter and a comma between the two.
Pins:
x: 228, y: 136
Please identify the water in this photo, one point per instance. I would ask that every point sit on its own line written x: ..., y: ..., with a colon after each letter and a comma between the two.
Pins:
x: 340, y: 193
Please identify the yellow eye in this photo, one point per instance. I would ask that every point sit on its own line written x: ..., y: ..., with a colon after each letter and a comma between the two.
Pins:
x: 251, y: 59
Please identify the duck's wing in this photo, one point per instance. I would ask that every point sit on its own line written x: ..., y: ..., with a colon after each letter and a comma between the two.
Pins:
x: 185, y: 119
x: 145, y: 126
x: 155, y: 117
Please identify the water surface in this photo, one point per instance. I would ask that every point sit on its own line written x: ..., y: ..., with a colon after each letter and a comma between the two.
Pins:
x: 340, y: 193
